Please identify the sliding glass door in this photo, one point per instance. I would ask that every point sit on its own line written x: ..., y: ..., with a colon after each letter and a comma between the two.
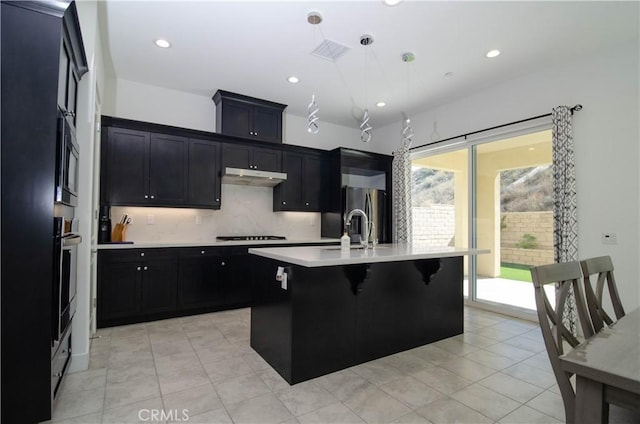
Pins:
x: 495, y: 196
x: 440, y: 201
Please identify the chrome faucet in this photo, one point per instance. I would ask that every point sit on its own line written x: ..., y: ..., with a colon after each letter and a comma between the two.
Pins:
x: 364, y: 238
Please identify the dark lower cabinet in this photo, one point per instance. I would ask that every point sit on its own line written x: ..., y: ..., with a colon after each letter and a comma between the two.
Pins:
x: 136, y: 285
x: 159, y: 285
x: 238, y: 277
x: 201, y: 278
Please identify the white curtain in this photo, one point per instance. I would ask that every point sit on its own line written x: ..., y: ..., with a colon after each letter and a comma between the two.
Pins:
x: 565, y: 204
x: 401, y: 181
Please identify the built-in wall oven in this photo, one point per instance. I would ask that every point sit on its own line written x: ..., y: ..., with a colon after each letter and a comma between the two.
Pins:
x: 66, y: 162
x: 64, y: 285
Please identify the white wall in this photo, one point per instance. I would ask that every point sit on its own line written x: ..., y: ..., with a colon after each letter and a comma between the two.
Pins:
x: 606, y: 136
x: 143, y: 102
x: 90, y: 85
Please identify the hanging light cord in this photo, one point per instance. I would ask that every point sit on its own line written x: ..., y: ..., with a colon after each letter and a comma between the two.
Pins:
x: 365, y: 128
x: 407, y: 132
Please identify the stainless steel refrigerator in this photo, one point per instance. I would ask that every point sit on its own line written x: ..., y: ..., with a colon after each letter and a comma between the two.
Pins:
x: 373, y: 203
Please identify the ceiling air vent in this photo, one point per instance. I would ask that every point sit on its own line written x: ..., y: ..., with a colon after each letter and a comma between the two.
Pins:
x: 330, y: 50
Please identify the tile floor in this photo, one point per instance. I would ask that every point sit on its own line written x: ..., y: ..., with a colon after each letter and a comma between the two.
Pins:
x: 201, y: 369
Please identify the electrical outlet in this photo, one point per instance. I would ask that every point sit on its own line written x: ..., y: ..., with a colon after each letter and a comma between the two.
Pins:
x: 198, y: 219
x: 150, y: 219
x: 609, y: 238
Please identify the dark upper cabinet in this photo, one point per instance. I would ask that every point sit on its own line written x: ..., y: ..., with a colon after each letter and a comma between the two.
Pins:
x: 249, y: 157
x: 248, y: 117
x: 302, y: 191
x: 145, y: 169
x: 127, y: 166
x: 136, y: 283
x: 168, y: 161
x: 204, y: 174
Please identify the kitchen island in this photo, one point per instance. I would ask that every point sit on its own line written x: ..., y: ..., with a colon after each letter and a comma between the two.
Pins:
x: 329, y: 309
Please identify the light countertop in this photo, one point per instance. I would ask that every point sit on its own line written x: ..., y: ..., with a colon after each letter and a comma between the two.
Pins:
x: 161, y: 244
x: 317, y: 256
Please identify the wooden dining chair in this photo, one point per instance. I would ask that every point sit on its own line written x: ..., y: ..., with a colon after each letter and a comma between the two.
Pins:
x: 554, y: 333
x: 602, y: 270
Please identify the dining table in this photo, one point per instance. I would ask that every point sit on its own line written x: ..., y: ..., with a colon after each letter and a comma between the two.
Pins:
x: 607, y: 369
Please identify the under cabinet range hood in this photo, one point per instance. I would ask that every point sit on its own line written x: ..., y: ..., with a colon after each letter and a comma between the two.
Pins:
x: 252, y: 177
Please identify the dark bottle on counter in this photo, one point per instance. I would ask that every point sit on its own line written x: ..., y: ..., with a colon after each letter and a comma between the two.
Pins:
x: 104, y: 225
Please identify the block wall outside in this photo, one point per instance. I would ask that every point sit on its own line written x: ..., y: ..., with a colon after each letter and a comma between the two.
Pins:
x: 434, y: 224
x: 514, y: 225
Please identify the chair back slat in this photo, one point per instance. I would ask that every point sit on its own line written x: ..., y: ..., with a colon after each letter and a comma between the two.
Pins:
x: 566, y: 277
x: 602, y: 268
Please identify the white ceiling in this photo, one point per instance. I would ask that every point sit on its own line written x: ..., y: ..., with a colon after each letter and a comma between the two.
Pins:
x: 252, y: 47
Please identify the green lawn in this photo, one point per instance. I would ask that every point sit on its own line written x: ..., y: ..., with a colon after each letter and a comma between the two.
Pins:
x: 515, y: 273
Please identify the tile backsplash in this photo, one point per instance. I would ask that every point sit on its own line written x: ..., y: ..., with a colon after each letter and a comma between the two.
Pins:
x: 245, y: 211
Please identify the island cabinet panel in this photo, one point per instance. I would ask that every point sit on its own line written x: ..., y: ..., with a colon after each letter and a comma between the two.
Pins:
x: 333, y: 317
x: 394, y: 293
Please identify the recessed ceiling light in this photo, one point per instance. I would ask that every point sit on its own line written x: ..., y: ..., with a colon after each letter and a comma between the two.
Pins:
x: 162, y: 43
x: 391, y: 2
x: 293, y: 80
x: 381, y: 104
x: 531, y: 148
x: 493, y: 53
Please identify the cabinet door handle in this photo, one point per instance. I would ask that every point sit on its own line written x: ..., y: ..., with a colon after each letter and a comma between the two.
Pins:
x: 284, y: 203
x: 222, y: 263
x: 306, y: 203
x: 153, y: 197
x: 202, y: 252
x: 142, y: 254
x: 146, y: 268
x: 255, y: 133
x: 146, y: 196
x: 138, y: 269
x: 217, y: 200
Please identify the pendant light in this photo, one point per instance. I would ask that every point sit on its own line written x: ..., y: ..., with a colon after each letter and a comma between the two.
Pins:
x: 407, y: 132
x: 314, y: 18
x: 365, y: 129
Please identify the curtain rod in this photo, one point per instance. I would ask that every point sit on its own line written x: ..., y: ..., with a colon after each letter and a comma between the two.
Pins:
x: 575, y: 108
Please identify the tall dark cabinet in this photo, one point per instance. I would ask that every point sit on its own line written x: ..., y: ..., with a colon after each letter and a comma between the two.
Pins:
x: 248, y: 117
x: 42, y: 60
